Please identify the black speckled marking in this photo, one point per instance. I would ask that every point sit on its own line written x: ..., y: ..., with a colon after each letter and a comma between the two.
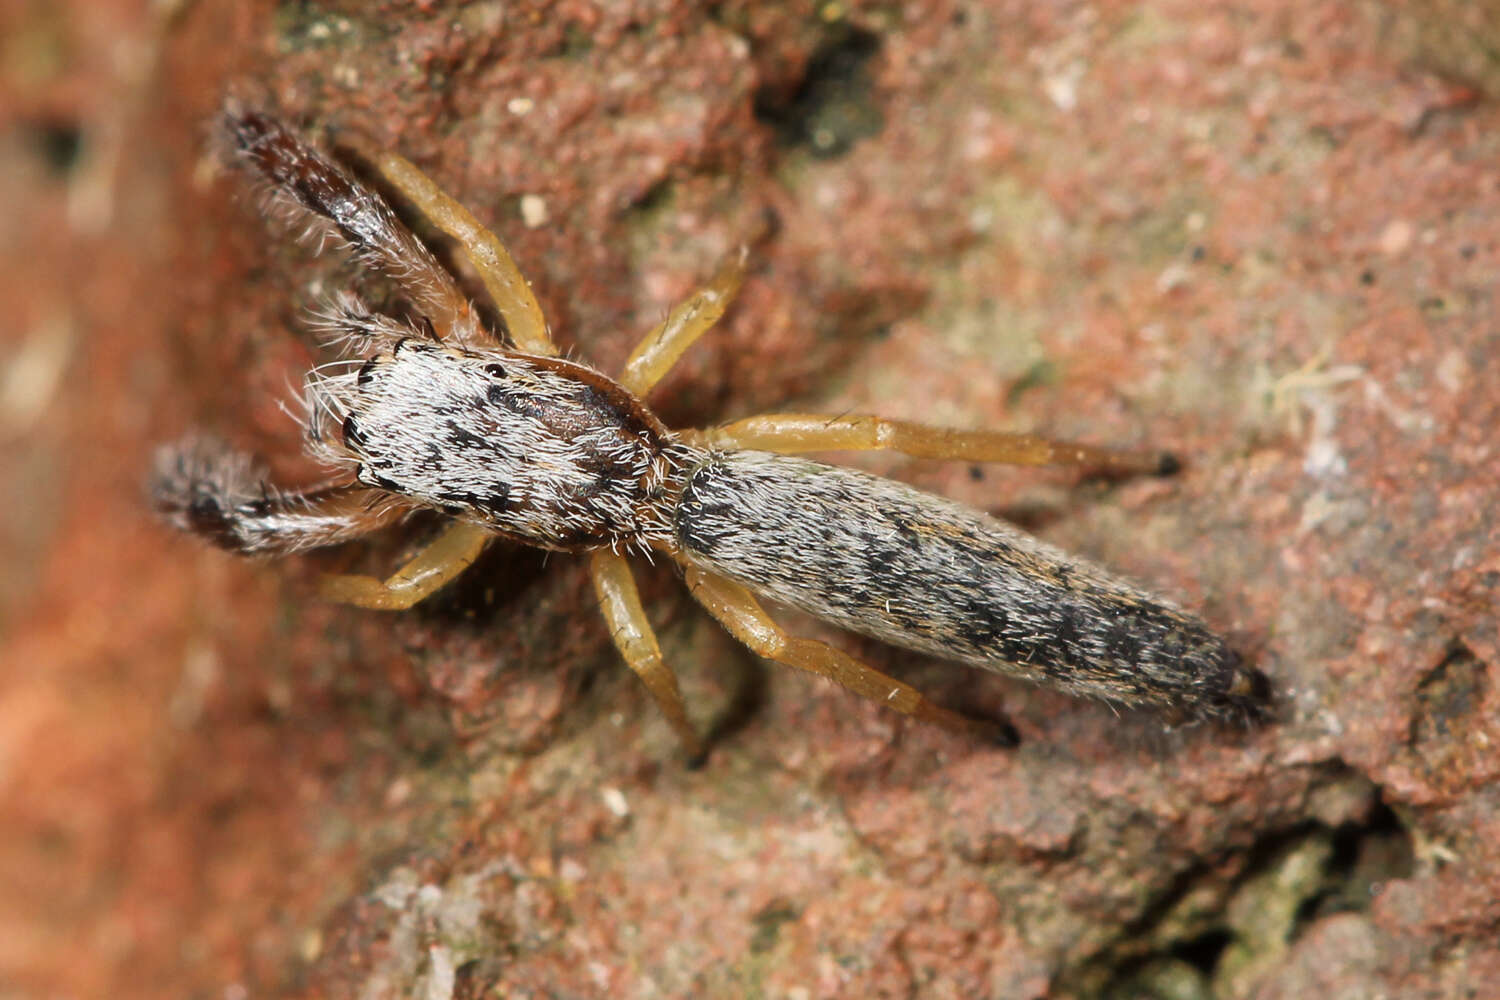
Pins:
x: 495, y: 502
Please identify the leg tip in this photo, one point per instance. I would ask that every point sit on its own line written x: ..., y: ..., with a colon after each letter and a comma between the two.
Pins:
x: 1168, y: 464
x: 995, y: 732
x: 992, y: 730
x: 1000, y: 733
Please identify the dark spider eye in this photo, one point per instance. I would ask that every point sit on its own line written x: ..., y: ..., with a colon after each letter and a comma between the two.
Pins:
x: 205, y: 509
x: 498, y: 371
x: 353, y: 437
x: 366, y: 373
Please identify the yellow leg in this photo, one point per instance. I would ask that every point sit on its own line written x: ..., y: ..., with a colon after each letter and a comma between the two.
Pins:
x: 659, y: 350
x: 506, y: 285
x: 741, y: 614
x: 419, y: 577
x: 633, y: 636
x: 798, y: 432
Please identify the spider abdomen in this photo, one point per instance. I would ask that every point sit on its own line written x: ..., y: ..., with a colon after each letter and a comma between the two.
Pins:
x: 888, y: 561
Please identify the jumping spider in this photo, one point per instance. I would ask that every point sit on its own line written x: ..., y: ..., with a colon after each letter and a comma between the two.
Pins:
x: 518, y: 443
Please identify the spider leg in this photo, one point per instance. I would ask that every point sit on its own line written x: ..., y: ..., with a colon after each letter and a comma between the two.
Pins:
x: 313, y: 190
x: 741, y: 614
x: 222, y: 495
x: 634, y: 637
x: 507, y: 287
x: 435, y: 565
x: 660, y: 349
x: 791, y: 433
x: 355, y: 329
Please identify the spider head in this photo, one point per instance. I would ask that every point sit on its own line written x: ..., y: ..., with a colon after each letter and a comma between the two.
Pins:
x: 540, y: 449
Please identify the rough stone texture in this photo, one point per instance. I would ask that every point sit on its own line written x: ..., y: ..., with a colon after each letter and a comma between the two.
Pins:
x: 1262, y: 234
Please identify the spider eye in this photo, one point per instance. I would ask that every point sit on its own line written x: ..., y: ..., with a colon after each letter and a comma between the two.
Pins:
x: 205, y: 510
x: 354, y: 438
x: 367, y: 372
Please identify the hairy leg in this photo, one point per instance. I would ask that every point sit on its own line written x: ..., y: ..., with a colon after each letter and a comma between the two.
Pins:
x: 791, y: 433
x: 741, y: 614
x: 314, y: 191
x: 204, y: 487
x: 634, y: 637
x: 435, y: 565
x: 508, y: 288
x: 356, y: 330
x: 660, y: 349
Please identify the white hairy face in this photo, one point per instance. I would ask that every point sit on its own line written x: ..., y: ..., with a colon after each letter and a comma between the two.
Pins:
x: 541, y: 449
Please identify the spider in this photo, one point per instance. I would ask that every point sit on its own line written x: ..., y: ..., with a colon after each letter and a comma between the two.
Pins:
x: 513, y: 441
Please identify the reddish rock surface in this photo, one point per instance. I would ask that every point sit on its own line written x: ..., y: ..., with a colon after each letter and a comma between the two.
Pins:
x: 1262, y: 234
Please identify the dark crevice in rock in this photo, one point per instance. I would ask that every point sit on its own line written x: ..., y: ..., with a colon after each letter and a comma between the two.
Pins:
x: 1209, y: 928
x: 833, y: 106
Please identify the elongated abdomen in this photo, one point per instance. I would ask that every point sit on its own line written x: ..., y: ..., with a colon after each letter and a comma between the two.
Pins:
x: 888, y: 561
